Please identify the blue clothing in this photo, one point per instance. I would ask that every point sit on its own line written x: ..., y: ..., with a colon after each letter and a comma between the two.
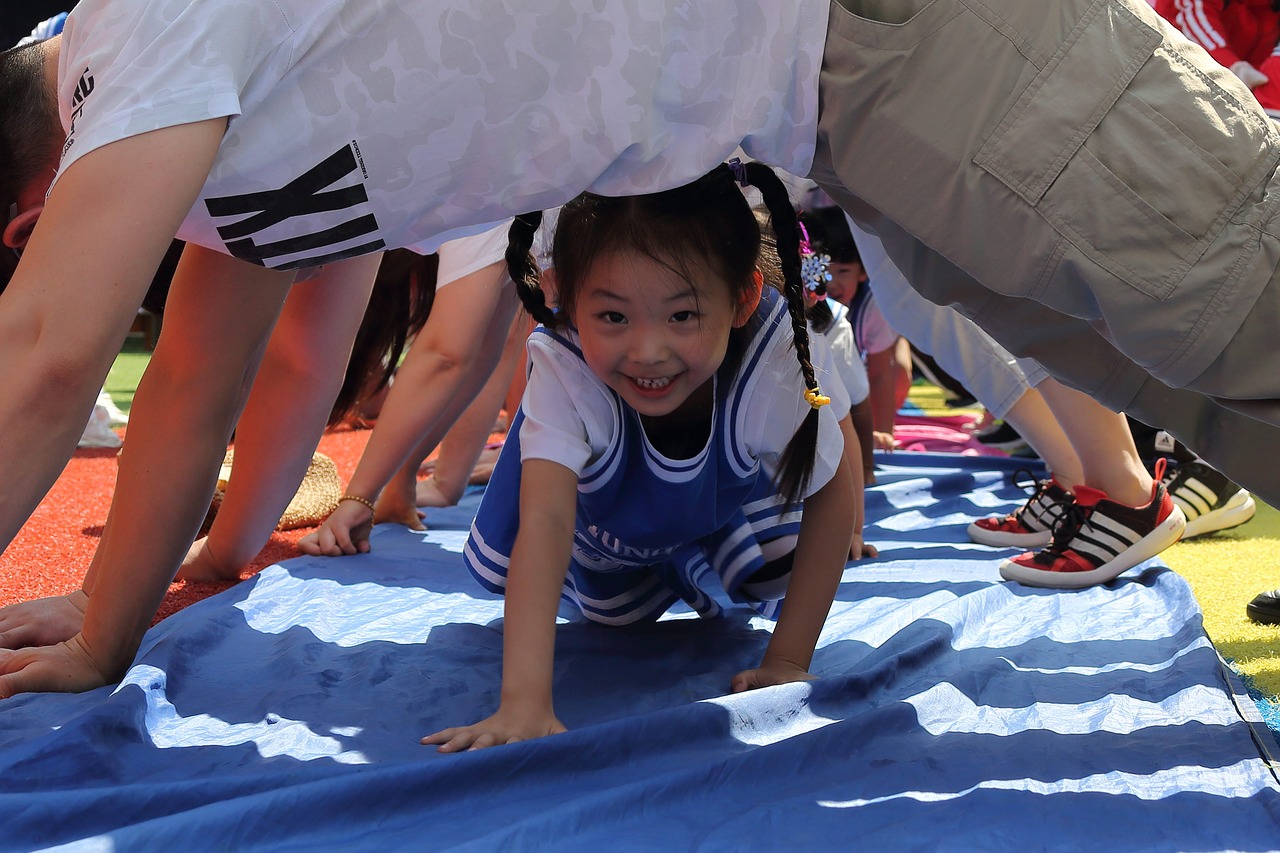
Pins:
x: 652, y: 530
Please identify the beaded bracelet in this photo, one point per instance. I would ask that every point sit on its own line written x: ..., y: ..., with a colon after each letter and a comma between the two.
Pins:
x: 358, y: 500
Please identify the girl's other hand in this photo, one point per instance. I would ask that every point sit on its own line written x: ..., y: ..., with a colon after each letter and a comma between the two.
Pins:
x: 505, y: 726
x: 343, y: 533
x: 767, y: 675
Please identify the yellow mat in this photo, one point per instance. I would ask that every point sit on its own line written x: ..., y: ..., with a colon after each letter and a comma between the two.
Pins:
x: 1226, y: 570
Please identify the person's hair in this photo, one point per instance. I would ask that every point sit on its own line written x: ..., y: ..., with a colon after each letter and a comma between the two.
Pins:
x: 398, y: 308
x: 829, y: 233
x: 705, y: 224
x: 819, y: 314
x: 27, y: 126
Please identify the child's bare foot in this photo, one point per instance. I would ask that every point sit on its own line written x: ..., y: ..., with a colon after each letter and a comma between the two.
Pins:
x: 42, y: 622
x: 200, y: 566
x: 429, y: 494
x: 394, y: 508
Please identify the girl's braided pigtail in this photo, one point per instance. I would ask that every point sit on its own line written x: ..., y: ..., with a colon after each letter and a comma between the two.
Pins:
x: 524, y: 271
x: 796, y: 465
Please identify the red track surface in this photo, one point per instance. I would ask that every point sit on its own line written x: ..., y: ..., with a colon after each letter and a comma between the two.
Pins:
x: 51, y: 553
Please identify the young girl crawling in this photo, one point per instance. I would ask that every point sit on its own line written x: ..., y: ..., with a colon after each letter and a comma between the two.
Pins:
x: 672, y: 430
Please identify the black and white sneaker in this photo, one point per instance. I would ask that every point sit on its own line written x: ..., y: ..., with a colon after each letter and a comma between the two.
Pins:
x: 1097, y: 538
x: 1209, y: 500
x: 1029, y: 526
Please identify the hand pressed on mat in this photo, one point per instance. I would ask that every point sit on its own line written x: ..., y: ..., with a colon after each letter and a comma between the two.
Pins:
x: 62, y: 668
x: 42, y: 622
x: 511, y: 723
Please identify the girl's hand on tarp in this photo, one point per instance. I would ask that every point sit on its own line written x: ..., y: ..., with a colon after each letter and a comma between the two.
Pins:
x: 767, y: 675
x: 507, y: 725
x: 62, y: 668
x: 343, y: 533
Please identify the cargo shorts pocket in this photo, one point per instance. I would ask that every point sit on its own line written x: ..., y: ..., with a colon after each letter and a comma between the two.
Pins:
x: 1130, y: 149
x: 890, y: 24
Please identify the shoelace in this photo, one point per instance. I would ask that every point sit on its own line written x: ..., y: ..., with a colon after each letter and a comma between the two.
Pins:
x: 1030, y: 485
x: 1069, y: 518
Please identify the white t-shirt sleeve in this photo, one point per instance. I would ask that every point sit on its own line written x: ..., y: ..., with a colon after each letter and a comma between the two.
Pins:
x: 773, y: 409
x: 825, y: 371
x: 848, y: 364
x: 461, y: 257
x: 117, y: 79
x: 568, y: 413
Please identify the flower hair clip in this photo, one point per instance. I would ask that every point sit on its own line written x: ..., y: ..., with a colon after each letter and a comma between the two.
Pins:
x: 814, y: 270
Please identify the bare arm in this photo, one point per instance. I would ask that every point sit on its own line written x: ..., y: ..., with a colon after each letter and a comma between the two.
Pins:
x: 880, y: 376
x: 539, y: 561
x: 445, y: 368
x: 825, y: 531
x: 105, y: 227
x: 853, y: 461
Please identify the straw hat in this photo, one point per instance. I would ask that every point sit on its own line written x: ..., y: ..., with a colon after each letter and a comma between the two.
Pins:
x: 317, y: 496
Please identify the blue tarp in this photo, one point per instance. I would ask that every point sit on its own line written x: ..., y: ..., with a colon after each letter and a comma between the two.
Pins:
x: 953, y: 711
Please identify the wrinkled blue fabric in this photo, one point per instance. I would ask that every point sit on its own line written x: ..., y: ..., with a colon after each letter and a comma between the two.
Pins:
x: 953, y: 711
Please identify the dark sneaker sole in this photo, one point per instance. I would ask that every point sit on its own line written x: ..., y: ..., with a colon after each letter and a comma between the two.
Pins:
x: 1001, y: 539
x: 1165, y: 534
x: 1269, y: 615
x: 1240, y: 509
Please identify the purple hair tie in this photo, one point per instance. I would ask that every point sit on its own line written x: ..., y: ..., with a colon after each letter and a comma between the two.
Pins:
x: 739, y: 170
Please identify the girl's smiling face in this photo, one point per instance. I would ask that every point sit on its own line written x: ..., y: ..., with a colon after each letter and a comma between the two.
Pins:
x: 650, y: 334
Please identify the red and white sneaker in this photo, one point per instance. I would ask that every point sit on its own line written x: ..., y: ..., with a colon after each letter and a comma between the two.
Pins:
x: 1029, y: 526
x: 1096, y: 539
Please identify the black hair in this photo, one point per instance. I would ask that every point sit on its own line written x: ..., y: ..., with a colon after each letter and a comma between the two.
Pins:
x: 28, y: 124
x: 706, y: 222
x: 398, y: 309
x: 829, y: 233
x: 819, y: 314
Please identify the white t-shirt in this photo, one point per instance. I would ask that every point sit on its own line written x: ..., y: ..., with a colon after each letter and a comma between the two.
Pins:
x: 465, y: 255
x: 357, y: 125
x: 849, y: 373
x: 570, y: 416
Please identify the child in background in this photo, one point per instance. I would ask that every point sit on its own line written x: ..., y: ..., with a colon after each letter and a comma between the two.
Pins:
x: 671, y: 429
x: 875, y: 339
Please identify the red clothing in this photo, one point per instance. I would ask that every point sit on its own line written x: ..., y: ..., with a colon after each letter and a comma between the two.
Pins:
x: 1233, y: 30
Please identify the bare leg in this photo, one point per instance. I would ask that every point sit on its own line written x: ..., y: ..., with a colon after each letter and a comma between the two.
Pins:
x: 285, y: 415
x: 1035, y: 421
x: 1102, y: 442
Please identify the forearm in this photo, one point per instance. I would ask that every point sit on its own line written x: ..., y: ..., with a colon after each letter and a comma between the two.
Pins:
x: 463, y: 443
x: 162, y: 493
x: 853, y: 461
x: 860, y: 414
x: 419, y: 404
x: 880, y: 377
x: 826, y: 528
x: 45, y: 411
x: 445, y: 368
x: 539, y: 561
